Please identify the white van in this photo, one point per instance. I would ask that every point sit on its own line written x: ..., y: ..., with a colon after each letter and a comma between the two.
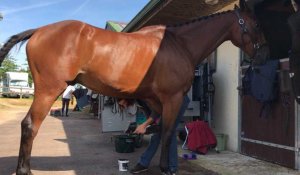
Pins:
x: 15, y: 84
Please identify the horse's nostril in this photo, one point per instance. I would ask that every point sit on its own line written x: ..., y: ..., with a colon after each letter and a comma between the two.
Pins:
x: 261, y: 55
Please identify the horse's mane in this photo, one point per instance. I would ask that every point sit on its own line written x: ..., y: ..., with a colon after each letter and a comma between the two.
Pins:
x: 199, y: 19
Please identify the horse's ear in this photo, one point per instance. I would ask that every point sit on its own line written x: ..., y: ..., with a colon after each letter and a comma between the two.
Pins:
x: 236, y: 7
x: 244, y: 6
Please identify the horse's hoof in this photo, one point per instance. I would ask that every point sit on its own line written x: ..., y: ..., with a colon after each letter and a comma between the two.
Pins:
x: 29, y: 173
x: 23, y: 171
x: 167, y: 173
x: 164, y: 169
x: 163, y: 172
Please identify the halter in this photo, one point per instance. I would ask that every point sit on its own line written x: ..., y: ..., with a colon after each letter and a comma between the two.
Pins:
x: 244, y: 29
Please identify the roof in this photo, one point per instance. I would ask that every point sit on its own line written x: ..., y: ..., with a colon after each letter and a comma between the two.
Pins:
x: 115, y: 26
x: 168, y: 12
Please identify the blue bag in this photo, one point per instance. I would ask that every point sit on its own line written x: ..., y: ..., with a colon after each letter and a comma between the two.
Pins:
x: 264, y: 82
x: 261, y: 83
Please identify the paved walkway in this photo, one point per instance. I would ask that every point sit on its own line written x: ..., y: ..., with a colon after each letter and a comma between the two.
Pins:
x: 75, y: 146
x: 230, y: 163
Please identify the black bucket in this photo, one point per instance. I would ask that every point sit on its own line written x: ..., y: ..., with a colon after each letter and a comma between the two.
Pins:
x: 138, y: 140
x: 125, y: 143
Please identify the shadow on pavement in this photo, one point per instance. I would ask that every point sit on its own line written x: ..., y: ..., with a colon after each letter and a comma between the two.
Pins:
x: 91, y: 151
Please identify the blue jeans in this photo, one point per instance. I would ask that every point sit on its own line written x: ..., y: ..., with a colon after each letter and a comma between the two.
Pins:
x: 155, y: 140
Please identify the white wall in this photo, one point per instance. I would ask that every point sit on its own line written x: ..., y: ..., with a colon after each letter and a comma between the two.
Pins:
x: 225, y: 108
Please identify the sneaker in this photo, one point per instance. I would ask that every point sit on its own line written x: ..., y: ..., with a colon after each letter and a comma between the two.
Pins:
x: 138, y: 169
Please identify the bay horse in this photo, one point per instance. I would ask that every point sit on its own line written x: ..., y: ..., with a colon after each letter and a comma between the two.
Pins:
x: 155, y: 64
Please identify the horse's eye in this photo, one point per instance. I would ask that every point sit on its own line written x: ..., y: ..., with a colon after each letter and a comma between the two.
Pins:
x: 257, y: 25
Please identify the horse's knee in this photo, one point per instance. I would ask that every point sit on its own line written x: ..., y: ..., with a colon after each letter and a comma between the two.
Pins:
x: 26, y: 126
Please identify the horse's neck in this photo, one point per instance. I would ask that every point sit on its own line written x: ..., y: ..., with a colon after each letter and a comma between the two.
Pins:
x: 201, y: 38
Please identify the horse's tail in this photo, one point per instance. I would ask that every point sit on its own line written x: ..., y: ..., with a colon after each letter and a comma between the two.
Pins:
x: 13, y: 40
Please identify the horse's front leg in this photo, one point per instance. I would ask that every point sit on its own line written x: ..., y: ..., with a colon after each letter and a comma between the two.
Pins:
x: 169, y: 115
x: 30, y: 126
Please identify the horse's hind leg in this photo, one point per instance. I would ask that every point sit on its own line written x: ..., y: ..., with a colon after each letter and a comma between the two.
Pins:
x: 31, y: 123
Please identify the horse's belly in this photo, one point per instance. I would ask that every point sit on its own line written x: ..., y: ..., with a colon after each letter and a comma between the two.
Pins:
x: 122, y: 61
x: 123, y: 73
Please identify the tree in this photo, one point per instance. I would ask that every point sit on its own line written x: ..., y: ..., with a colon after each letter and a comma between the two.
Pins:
x: 9, y: 64
x: 30, y: 80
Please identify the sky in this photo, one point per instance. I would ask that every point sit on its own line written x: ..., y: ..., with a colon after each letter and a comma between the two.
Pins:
x: 21, y: 15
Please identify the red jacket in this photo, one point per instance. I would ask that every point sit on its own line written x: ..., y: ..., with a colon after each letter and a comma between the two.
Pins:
x: 200, y: 137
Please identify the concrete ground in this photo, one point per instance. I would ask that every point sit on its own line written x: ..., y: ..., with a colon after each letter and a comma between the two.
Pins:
x: 75, y: 146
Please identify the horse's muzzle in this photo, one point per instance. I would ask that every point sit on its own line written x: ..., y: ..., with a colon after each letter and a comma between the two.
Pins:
x: 261, y: 55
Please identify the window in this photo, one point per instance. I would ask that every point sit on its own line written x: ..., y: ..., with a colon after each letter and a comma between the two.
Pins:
x: 21, y: 83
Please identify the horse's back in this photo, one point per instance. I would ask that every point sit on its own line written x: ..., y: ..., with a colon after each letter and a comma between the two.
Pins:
x: 117, y: 60
x: 54, y: 48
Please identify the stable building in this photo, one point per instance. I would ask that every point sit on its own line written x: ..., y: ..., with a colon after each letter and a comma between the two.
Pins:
x: 276, y: 138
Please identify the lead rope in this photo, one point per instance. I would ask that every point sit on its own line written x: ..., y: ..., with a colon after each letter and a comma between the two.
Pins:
x: 184, y: 146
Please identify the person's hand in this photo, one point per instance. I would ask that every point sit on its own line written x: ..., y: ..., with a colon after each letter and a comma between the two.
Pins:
x: 141, y: 129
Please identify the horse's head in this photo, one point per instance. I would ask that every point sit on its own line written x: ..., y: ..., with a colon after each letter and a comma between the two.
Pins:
x: 248, y: 36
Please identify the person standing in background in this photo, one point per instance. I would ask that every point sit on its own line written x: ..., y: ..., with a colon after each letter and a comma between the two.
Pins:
x: 66, y: 97
x: 89, y: 94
